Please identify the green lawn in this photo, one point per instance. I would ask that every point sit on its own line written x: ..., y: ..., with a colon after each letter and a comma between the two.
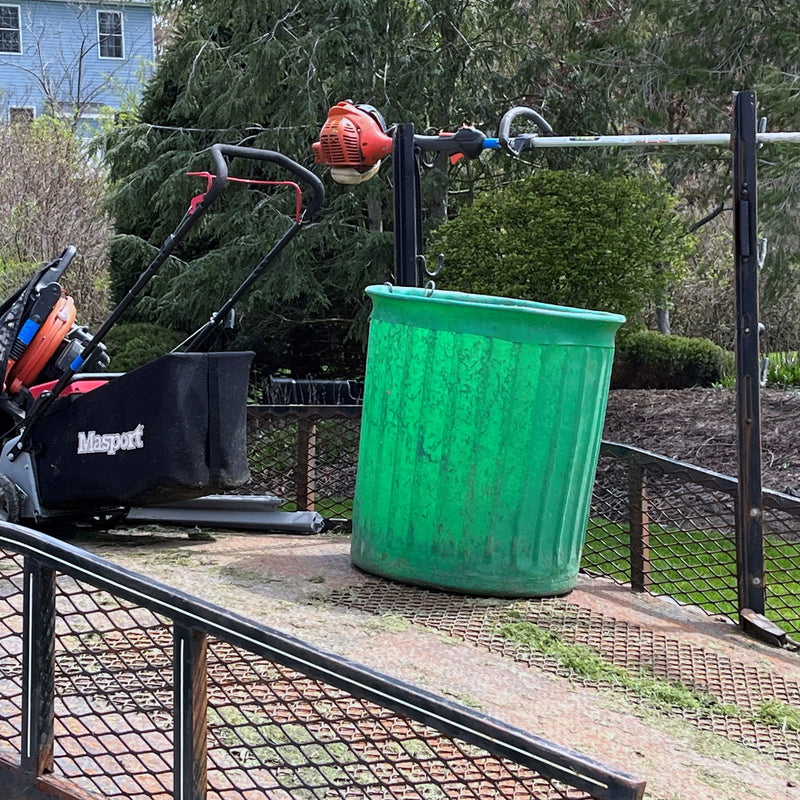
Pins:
x: 698, y: 568
x: 329, y: 507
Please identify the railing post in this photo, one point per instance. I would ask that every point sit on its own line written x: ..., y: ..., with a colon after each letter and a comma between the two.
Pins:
x: 749, y: 533
x: 190, y: 713
x: 306, y: 463
x: 38, y: 668
x: 638, y: 528
x: 406, y: 211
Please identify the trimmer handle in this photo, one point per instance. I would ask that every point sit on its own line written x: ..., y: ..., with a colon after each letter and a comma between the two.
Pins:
x: 518, y: 143
x: 220, y: 151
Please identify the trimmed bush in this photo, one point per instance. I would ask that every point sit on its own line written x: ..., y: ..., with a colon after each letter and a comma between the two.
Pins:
x: 133, y: 344
x: 651, y: 360
x: 585, y: 240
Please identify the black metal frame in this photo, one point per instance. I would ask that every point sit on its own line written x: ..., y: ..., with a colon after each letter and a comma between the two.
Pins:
x: 744, y: 144
x: 749, y: 538
x: 193, y: 622
x: 407, y: 214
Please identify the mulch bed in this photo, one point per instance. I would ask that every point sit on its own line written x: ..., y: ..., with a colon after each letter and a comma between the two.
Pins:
x: 699, y: 426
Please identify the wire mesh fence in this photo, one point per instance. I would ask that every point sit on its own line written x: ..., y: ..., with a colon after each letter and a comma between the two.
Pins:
x: 656, y: 524
x: 306, y: 455
x: 782, y: 560
x: 663, y: 528
x: 114, y: 686
x: 10, y: 656
x: 669, y: 528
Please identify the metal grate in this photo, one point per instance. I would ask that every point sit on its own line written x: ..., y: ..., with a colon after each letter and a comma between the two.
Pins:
x: 113, y: 683
x: 143, y: 706
x: 11, y: 572
x: 740, y: 695
x: 278, y: 731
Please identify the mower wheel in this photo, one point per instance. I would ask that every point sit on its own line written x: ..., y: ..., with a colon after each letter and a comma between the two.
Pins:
x: 10, y: 500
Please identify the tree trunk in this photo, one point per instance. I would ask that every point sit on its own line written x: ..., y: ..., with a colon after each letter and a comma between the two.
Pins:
x: 662, y: 319
x: 374, y: 213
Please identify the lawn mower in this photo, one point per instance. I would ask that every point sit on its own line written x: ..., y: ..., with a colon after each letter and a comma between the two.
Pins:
x: 83, y: 443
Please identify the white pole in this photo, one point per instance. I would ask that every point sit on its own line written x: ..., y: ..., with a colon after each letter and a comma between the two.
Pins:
x: 715, y: 139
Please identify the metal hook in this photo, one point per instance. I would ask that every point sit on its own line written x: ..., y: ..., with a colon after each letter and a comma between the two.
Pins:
x: 430, y: 287
x: 439, y: 264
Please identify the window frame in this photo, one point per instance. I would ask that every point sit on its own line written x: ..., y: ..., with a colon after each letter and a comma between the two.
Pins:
x: 30, y: 113
x: 18, y: 29
x: 101, y: 36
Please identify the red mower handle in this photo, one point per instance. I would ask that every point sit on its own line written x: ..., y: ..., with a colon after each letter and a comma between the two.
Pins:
x: 219, y: 152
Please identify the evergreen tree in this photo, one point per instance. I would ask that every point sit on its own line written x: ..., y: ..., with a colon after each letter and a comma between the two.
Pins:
x: 262, y: 74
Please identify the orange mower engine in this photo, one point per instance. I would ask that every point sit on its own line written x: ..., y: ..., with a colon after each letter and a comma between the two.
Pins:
x: 44, y: 344
x: 352, y: 143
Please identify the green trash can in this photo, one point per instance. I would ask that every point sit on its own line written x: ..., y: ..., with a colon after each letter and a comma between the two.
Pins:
x: 481, y: 429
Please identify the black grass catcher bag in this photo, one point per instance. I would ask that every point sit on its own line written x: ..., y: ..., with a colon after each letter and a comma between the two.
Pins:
x: 167, y: 431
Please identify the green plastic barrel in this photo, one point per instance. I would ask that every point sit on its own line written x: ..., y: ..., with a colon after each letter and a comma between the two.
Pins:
x: 481, y: 429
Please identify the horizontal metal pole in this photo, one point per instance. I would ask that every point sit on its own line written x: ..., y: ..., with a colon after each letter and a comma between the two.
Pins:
x: 245, y: 518
x: 221, y: 502
x: 713, y: 139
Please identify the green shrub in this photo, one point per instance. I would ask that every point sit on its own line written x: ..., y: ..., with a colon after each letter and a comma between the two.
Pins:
x: 133, y: 344
x: 568, y: 238
x: 783, y: 369
x: 14, y: 274
x: 651, y: 360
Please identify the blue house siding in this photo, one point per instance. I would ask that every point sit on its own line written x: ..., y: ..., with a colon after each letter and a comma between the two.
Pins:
x: 61, y: 61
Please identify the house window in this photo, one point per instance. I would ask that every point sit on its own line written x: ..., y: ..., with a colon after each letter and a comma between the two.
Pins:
x: 109, y: 34
x: 10, y: 39
x: 21, y: 114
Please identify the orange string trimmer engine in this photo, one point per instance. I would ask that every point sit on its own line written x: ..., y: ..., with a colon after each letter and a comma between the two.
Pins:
x: 352, y: 143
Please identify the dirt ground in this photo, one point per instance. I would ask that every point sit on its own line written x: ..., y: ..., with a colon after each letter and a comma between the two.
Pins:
x: 287, y: 582
x: 699, y: 426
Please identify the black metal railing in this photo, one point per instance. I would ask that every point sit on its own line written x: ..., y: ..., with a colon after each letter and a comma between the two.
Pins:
x: 669, y: 528
x: 115, y: 686
x: 656, y: 524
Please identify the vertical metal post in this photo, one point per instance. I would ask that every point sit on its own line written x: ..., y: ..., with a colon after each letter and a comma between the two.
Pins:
x: 638, y: 528
x: 406, y: 176
x: 306, y: 467
x: 38, y: 668
x: 190, y: 713
x: 749, y: 533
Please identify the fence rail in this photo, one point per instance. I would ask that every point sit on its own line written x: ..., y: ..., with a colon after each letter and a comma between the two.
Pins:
x: 656, y: 524
x: 668, y: 527
x: 115, y: 686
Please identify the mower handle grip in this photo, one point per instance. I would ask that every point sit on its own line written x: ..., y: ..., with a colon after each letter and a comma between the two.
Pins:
x: 504, y: 131
x: 220, y: 151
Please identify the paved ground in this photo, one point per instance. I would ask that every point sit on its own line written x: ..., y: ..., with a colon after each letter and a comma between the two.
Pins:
x: 306, y: 586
